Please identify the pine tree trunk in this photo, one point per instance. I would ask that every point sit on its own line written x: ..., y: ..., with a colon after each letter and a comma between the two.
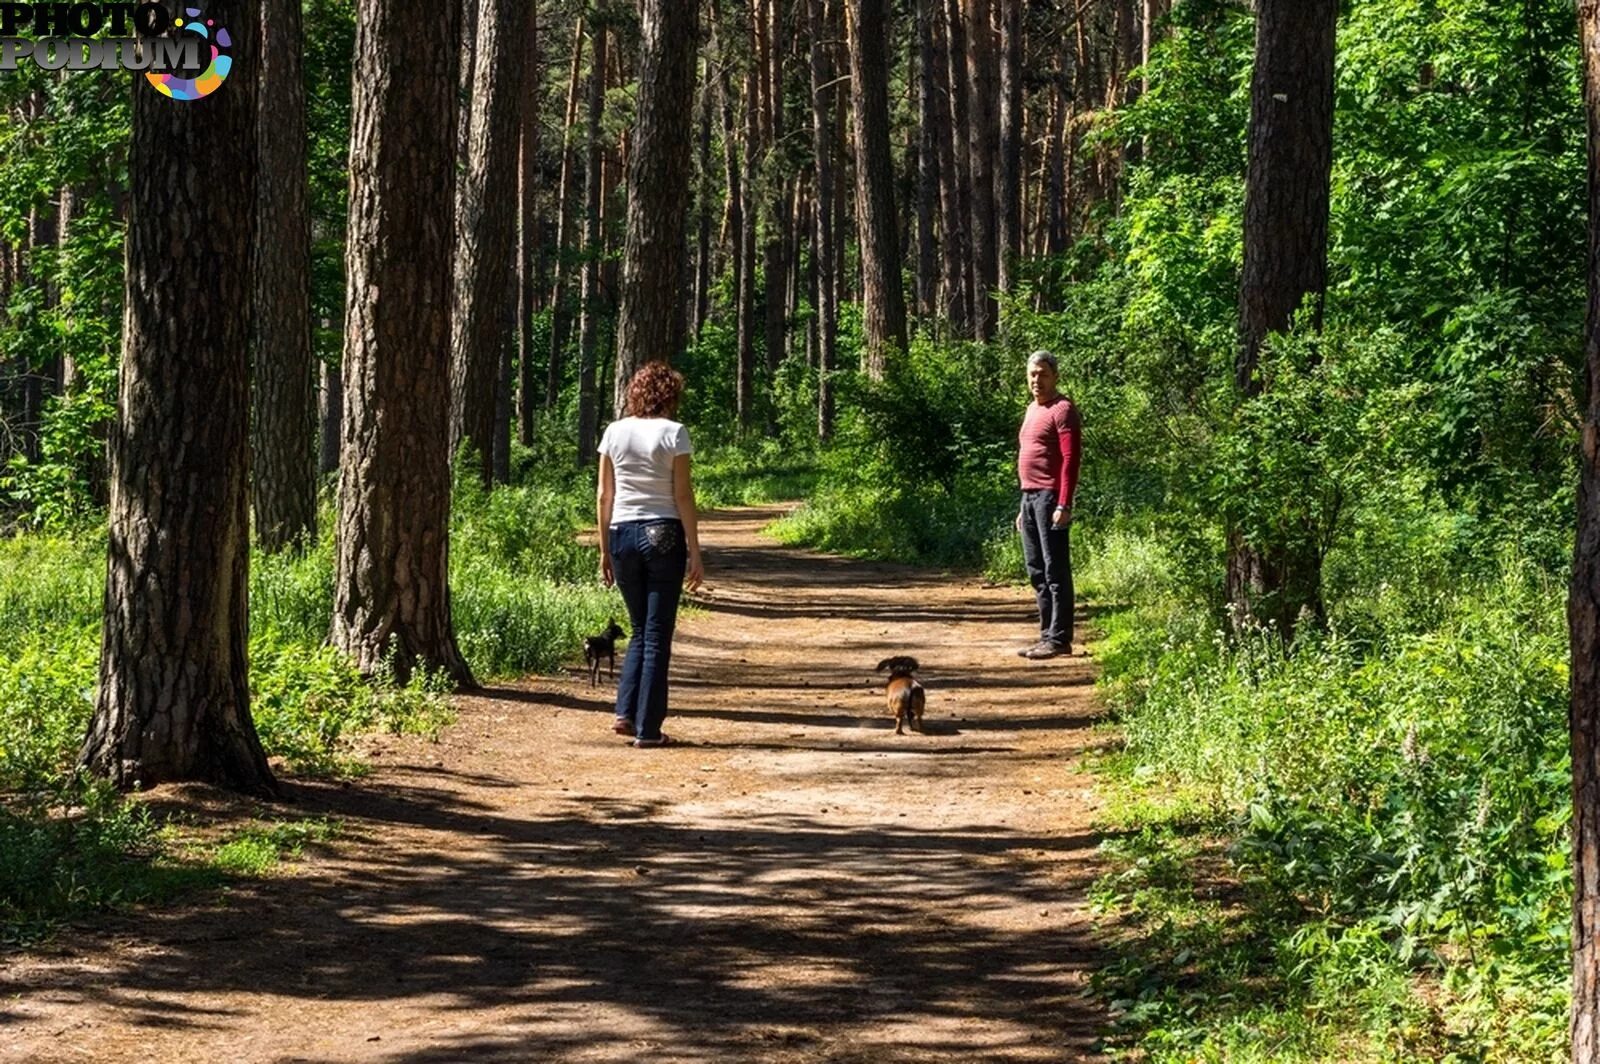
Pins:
x: 485, y: 226
x: 560, y: 315
x: 651, y: 324
x: 1008, y: 178
x: 824, y: 95
x: 331, y: 403
x: 283, y: 448
x: 593, y: 248
x: 961, y: 146
x: 884, y: 308
x: 744, y: 384
x: 1285, y: 249
x: 984, y: 145
x: 391, y: 592
x: 928, y: 133
x: 702, y: 259
x: 528, y: 244
x: 174, y: 694
x: 1583, y: 613
x: 775, y: 257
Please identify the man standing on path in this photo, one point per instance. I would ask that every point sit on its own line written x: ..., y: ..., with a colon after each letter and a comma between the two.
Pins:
x: 1048, y: 452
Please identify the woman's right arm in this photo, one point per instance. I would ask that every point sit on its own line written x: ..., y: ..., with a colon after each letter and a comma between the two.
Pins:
x: 683, y: 495
x: 605, y: 499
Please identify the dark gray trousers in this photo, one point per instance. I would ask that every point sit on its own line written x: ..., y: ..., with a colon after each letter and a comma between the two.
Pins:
x: 1048, y: 555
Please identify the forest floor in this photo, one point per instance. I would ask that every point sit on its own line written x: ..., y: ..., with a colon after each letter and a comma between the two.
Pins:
x: 794, y: 883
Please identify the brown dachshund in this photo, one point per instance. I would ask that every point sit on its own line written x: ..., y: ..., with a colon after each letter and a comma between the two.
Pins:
x: 906, y: 696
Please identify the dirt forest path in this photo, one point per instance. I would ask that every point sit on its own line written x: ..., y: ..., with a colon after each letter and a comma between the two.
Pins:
x: 795, y: 884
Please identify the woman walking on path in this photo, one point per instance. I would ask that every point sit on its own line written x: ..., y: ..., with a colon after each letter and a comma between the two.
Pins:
x: 649, y: 540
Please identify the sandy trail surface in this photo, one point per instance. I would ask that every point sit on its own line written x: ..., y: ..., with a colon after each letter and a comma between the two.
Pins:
x: 794, y: 883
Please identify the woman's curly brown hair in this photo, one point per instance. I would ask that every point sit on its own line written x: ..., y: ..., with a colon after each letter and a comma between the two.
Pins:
x: 654, y: 391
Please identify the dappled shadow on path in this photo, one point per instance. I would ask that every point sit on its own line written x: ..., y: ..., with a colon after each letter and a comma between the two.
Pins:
x: 609, y: 904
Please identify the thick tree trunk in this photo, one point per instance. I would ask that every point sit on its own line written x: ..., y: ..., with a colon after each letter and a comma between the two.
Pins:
x: 283, y: 422
x: 560, y: 315
x: 824, y: 143
x: 1008, y: 178
x: 593, y: 248
x: 528, y: 243
x: 392, y: 592
x: 174, y: 695
x: 651, y: 324
x: 485, y: 227
x: 1583, y: 614
x: 984, y: 145
x: 885, y: 307
x: 1285, y: 248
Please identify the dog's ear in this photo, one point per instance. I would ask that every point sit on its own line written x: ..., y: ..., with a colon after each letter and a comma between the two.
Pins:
x: 910, y: 664
x: 884, y: 664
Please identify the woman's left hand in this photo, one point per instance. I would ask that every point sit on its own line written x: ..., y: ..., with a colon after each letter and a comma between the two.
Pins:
x: 607, y: 575
x: 696, y: 573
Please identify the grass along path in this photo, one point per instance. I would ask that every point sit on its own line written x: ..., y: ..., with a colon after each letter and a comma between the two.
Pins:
x: 795, y: 884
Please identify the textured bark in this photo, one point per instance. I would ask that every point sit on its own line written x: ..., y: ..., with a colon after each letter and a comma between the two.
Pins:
x: 1056, y: 189
x: 392, y: 594
x: 884, y: 306
x: 825, y: 253
x: 174, y: 695
x: 560, y: 316
x: 1008, y: 177
x: 1285, y: 249
x: 651, y: 323
x: 589, y: 295
x: 528, y: 244
x: 485, y: 229
x: 1583, y: 613
x: 984, y: 145
x: 283, y: 450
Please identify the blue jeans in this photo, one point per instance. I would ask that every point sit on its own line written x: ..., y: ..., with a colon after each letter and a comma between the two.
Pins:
x: 648, y: 559
x: 1047, y: 553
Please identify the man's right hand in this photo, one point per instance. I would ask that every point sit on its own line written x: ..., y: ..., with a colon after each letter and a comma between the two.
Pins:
x: 1019, y: 520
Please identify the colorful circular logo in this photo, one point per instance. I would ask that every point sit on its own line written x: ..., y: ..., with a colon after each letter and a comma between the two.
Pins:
x: 210, y: 79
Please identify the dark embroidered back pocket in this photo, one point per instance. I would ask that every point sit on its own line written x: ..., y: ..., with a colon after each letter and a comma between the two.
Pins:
x: 661, y: 537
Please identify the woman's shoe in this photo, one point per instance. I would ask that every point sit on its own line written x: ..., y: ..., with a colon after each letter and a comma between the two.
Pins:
x: 623, y: 726
x: 662, y: 740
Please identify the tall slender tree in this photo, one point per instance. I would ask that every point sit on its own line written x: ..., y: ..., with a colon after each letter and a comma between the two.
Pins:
x: 1285, y: 249
x: 528, y: 242
x: 593, y: 250
x: 560, y: 316
x: 825, y: 249
x: 1008, y: 175
x: 651, y: 323
x: 1583, y: 612
x: 983, y: 144
x: 485, y: 229
x: 283, y: 408
x: 391, y: 590
x: 174, y: 694
x: 885, y: 303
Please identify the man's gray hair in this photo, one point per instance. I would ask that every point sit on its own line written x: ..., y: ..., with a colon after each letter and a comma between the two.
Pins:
x: 1046, y: 357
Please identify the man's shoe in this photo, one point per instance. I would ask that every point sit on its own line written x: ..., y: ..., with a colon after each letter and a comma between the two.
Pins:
x: 1047, y: 650
x: 1032, y: 646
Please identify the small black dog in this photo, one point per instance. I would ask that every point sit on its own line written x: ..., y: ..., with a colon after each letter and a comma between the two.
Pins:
x: 600, y: 646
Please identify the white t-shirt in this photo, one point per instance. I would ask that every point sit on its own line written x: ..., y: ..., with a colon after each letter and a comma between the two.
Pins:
x: 642, y: 450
